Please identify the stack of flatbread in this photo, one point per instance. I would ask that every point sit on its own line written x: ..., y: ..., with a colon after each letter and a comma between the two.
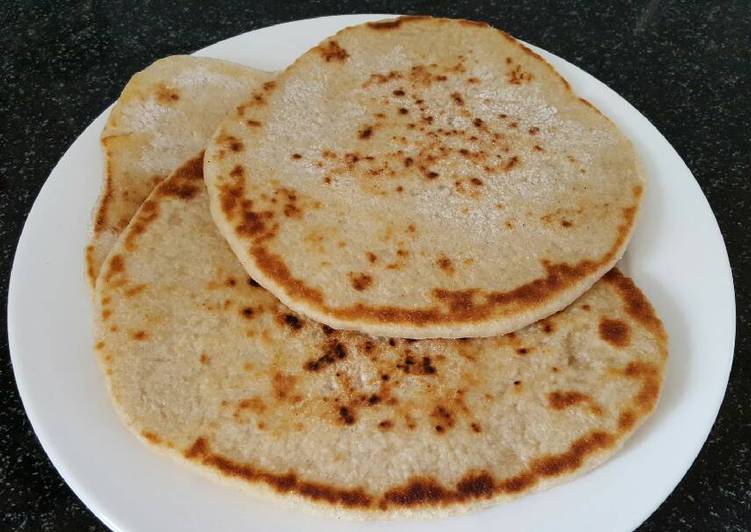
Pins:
x: 380, y: 282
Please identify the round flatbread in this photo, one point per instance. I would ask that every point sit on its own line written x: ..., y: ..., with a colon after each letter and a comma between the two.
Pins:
x: 165, y: 114
x: 206, y: 365
x: 423, y: 178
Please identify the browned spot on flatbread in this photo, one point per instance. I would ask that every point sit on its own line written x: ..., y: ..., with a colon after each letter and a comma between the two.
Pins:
x: 204, y: 359
x: 90, y: 271
x: 637, y: 306
x: 139, y: 335
x: 255, y: 404
x: 290, y: 321
x: 333, y: 352
x: 561, y: 400
x: 626, y: 420
x: 231, y: 142
x: 185, y: 182
x: 283, y: 385
x: 135, y: 290
x: 166, y: 95
x: 395, y: 23
x: 346, y: 415
x: 331, y: 51
x: 445, y: 264
x: 151, y: 437
x: 615, y: 332
x: 443, y: 419
x: 360, y: 281
x: 116, y: 266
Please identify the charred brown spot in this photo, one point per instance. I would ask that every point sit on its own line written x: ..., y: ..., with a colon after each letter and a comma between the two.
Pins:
x: 333, y: 352
x: 417, y: 492
x: 458, y: 301
x: 283, y: 385
x: 398, y: 92
x: 458, y: 100
x: 403, y: 111
x: 139, y: 335
x: 360, y: 281
x: 346, y: 415
x: 252, y: 223
x: 523, y: 350
x: 626, y: 420
x: 254, y: 404
x: 247, y: 312
x: 135, y: 290
x: 427, y: 366
x: 232, y: 142
x: 445, y: 264
x: 408, y: 161
x: 560, y: 400
x: 475, y: 427
x: 386, y: 424
x: 204, y: 358
x: 151, y: 437
x: 331, y: 51
x: 296, y: 156
x: 516, y: 75
x: 166, y: 95
x: 116, y: 266
x: 637, y: 306
x: 615, y: 332
x: 443, y: 418
x: 291, y: 321
x: 365, y: 133
x: 372, y: 257
x: 566, y: 223
x: 510, y: 163
x: 253, y: 123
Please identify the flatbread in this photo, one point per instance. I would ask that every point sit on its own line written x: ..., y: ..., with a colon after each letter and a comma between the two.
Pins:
x: 165, y: 114
x: 208, y: 366
x: 423, y: 178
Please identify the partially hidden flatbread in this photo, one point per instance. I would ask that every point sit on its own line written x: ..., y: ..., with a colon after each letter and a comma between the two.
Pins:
x: 423, y: 178
x: 206, y: 365
x: 164, y: 116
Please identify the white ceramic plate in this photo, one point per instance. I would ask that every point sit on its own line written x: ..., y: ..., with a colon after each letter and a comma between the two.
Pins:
x: 677, y: 257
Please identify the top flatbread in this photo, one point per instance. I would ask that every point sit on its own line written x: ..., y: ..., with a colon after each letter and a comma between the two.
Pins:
x: 165, y: 114
x: 423, y: 178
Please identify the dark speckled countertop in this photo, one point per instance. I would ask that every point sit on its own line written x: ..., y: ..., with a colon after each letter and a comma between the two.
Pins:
x: 685, y: 65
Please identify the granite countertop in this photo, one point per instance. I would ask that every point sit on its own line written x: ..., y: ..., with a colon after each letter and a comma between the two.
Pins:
x: 685, y: 65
